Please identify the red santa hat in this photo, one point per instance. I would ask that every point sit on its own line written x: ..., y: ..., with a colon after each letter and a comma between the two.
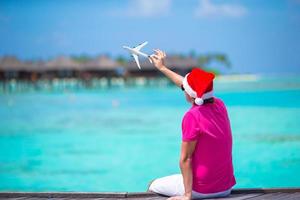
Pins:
x: 199, y: 85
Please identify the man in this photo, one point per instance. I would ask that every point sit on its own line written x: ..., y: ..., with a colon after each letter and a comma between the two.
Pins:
x: 206, y: 149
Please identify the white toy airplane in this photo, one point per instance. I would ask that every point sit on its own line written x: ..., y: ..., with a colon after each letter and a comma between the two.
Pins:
x: 135, y: 52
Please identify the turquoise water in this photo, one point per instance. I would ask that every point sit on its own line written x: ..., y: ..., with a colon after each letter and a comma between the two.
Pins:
x: 121, y: 138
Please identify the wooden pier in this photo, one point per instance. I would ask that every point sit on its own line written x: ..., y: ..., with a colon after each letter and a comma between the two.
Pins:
x: 236, y: 194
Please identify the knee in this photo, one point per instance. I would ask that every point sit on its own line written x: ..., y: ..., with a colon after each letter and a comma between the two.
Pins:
x: 149, y: 185
x: 152, y: 187
x: 168, y: 185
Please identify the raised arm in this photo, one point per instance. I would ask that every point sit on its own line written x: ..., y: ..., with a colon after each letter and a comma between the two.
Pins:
x: 158, y: 60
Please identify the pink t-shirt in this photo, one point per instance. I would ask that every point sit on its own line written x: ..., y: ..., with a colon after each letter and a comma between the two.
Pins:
x: 212, y: 158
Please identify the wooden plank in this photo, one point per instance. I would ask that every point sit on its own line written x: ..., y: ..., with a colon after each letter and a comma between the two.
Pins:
x: 14, y: 198
x: 141, y: 194
x: 150, y: 198
x: 239, y: 196
x: 92, y: 198
x: 75, y: 195
x: 80, y: 198
x: 264, y: 190
x: 64, y: 198
x: 275, y: 196
x: 282, y: 196
x: 294, y: 196
x: 77, y: 198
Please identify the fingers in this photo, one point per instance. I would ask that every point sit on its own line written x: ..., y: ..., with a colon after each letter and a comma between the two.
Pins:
x: 154, y: 56
x: 160, y: 53
x: 157, y: 51
x: 157, y: 54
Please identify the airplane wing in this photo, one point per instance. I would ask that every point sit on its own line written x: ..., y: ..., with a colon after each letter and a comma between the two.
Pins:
x: 140, y: 46
x: 136, y: 60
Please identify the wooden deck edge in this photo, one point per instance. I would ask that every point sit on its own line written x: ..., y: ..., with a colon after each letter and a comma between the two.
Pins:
x: 265, y: 190
x: 141, y: 194
x: 130, y: 194
x: 64, y: 194
x: 78, y: 194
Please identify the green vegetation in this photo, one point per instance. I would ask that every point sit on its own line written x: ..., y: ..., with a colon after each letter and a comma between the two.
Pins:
x: 83, y: 58
x: 207, y: 62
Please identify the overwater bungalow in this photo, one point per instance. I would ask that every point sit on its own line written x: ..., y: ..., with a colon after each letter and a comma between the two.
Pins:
x: 101, y: 66
x: 61, y: 67
x: 97, y: 72
x: 181, y: 65
x: 35, y: 69
x: 12, y: 68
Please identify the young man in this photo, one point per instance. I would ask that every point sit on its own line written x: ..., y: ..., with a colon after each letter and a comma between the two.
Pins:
x: 206, y: 149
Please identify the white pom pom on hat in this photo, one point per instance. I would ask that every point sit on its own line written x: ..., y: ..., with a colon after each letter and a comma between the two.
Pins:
x: 199, y: 85
x: 199, y: 101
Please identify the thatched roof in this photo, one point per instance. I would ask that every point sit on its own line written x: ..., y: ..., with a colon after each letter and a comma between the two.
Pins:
x: 100, y: 63
x: 11, y: 63
x: 181, y: 63
x: 35, y: 66
x: 174, y: 62
x: 61, y: 63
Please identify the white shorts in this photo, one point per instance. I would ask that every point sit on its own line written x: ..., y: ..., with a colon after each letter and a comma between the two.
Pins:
x: 173, y: 186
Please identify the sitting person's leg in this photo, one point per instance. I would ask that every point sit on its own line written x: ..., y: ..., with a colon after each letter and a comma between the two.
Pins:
x: 173, y: 186
x: 168, y: 185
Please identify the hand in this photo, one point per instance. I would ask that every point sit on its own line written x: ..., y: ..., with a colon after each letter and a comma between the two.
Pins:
x: 158, y: 59
x: 179, y: 198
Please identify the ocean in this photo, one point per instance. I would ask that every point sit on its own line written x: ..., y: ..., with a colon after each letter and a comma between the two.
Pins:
x: 121, y: 138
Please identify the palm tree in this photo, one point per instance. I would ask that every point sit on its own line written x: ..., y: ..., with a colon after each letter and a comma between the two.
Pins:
x: 205, y: 60
x: 121, y: 60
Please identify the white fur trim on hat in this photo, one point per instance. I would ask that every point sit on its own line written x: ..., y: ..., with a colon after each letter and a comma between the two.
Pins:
x: 187, y: 87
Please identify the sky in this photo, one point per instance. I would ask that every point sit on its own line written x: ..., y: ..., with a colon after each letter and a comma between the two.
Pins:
x: 257, y: 36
